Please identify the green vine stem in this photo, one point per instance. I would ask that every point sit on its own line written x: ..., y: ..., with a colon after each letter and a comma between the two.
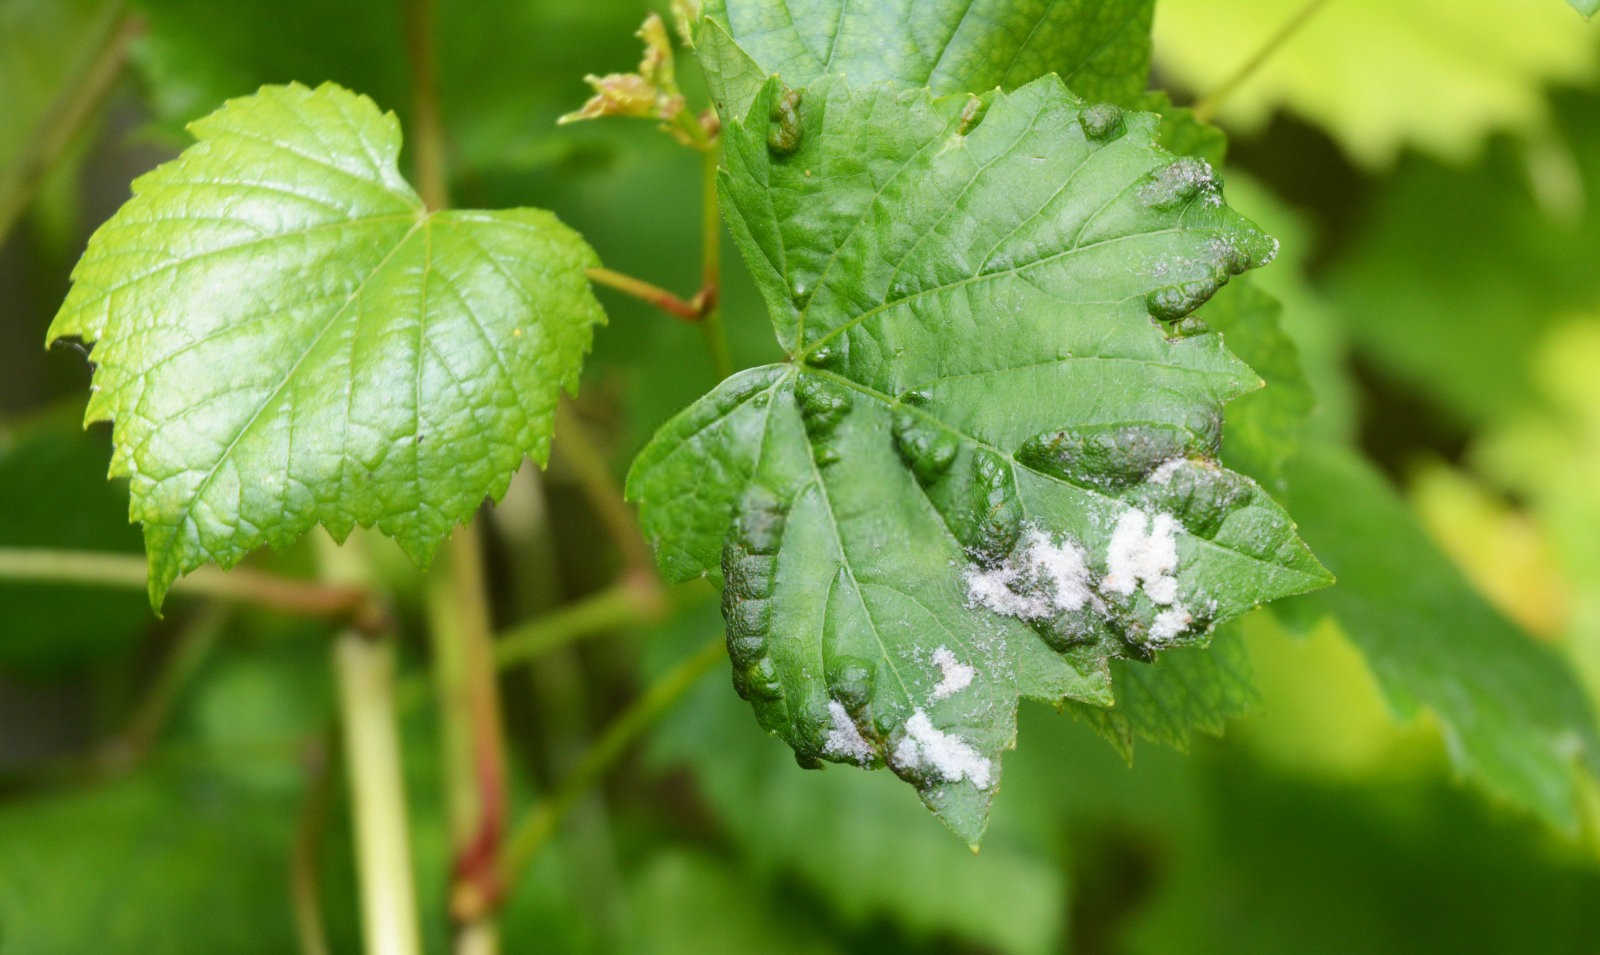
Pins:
x: 352, y: 604
x: 711, y: 262
x: 536, y: 827
x: 365, y: 671
x: 474, y: 749
x: 690, y: 310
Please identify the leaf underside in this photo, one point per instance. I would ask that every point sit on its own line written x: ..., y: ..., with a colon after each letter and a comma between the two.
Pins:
x: 284, y: 336
x: 996, y: 400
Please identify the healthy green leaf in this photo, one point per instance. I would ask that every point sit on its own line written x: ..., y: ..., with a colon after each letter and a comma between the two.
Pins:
x: 284, y: 336
x: 1514, y: 715
x: 989, y: 468
x: 1585, y: 7
x: 1380, y: 75
x: 1101, y: 49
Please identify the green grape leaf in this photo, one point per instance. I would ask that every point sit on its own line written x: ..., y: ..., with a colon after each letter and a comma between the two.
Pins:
x: 1181, y: 693
x: 1101, y: 49
x: 1514, y: 715
x: 989, y: 468
x: 1586, y: 7
x: 1468, y: 67
x: 284, y: 336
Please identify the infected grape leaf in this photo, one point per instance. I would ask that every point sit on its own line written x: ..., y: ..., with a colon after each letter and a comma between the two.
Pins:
x: 989, y: 468
x: 1100, y: 49
x: 284, y: 336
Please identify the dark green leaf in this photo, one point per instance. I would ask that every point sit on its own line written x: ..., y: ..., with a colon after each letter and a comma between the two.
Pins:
x: 995, y: 399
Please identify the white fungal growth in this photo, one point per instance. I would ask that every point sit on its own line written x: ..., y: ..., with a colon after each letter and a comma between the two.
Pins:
x: 1145, y: 552
x: 844, y: 739
x: 1164, y: 472
x: 954, y: 676
x: 949, y: 757
x: 1039, y: 580
x: 1169, y: 623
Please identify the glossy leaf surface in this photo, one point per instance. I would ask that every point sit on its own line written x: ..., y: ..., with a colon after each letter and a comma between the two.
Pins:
x: 285, y: 336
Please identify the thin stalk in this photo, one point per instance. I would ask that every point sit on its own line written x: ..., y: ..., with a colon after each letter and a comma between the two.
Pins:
x: 241, y: 585
x: 458, y: 603
x: 1208, y: 104
x: 633, y: 601
x: 575, y: 447
x: 469, y: 702
x: 711, y: 264
x: 67, y: 116
x: 304, y: 867
x: 427, y: 127
x: 537, y: 825
x: 690, y: 310
x: 365, y: 671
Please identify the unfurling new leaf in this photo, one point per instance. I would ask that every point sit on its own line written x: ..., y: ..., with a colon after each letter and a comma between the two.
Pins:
x: 285, y: 336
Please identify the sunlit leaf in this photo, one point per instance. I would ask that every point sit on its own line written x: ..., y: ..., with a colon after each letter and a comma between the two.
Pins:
x: 1382, y: 74
x: 284, y: 336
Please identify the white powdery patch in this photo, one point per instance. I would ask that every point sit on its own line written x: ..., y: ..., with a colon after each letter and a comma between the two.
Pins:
x: 1169, y: 623
x: 844, y: 739
x: 949, y: 757
x: 1038, y: 581
x: 1164, y: 472
x: 954, y: 676
x: 1143, y: 552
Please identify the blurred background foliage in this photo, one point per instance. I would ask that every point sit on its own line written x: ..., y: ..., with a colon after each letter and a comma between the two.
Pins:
x: 1403, y: 780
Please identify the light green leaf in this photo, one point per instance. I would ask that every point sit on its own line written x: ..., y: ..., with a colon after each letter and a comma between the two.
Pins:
x: 1514, y: 715
x: 1585, y: 7
x: 1382, y: 74
x: 284, y: 336
x: 1101, y: 49
x: 992, y: 380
